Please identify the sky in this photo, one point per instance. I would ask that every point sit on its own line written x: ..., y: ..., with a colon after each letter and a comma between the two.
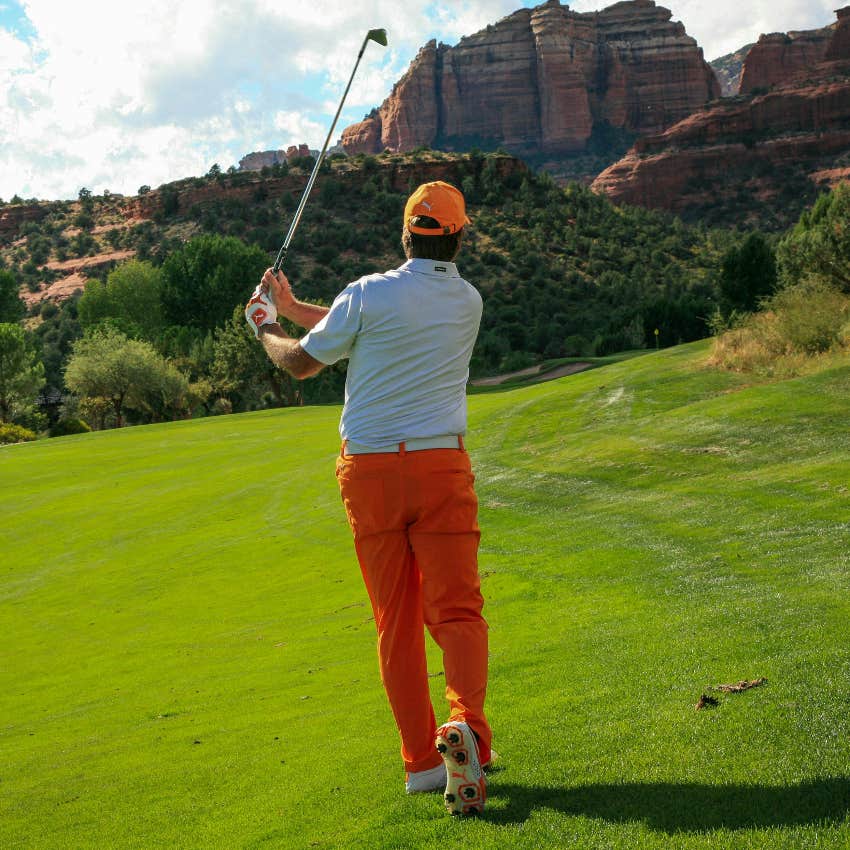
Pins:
x: 114, y: 94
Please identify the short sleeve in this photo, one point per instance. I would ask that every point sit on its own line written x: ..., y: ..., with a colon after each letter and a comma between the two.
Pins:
x: 331, y: 339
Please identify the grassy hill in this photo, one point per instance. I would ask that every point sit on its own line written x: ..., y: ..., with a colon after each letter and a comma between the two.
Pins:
x: 188, y: 656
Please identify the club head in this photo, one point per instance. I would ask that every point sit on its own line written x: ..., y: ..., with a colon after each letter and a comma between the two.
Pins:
x: 380, y: 36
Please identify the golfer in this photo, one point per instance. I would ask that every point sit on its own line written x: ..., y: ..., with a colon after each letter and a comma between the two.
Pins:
x: 405, y: 477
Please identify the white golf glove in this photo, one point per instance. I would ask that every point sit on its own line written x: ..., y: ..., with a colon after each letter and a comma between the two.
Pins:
x: 260, y: 310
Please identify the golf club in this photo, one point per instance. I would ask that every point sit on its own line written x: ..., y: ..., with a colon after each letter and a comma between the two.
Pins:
x: 380, y: 37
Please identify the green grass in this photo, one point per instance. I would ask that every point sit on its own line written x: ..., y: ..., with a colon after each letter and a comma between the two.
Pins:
x: 188, y: 656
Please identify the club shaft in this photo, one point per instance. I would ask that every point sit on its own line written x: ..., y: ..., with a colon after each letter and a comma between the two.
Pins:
x: 281, y: 256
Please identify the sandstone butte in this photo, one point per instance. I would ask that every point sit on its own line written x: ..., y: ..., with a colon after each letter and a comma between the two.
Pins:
x: 540, y: 80
x: 747, y: 143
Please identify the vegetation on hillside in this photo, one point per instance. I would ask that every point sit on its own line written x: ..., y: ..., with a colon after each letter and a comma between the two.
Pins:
x: 808, y: 319
x: 563, y: 272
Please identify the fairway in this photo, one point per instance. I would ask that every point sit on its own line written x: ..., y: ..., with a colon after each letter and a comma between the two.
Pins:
x: 188, y: 654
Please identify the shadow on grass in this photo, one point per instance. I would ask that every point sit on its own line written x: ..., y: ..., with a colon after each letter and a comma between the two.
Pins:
x: 672, y: 807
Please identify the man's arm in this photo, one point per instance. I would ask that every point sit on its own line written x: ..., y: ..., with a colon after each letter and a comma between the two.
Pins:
x: 305, y: 315
x: 287, y: 353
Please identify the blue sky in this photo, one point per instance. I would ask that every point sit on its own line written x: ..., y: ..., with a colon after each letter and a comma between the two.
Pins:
x: 113, y: 94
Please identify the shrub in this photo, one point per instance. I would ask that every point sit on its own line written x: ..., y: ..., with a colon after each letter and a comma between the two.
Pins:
x: 72, y: 425
x: 14, y: 434
x: 810, y: 316
x: 797, y: 324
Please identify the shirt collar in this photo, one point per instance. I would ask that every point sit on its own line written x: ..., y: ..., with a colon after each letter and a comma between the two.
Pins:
x: 434, y: 267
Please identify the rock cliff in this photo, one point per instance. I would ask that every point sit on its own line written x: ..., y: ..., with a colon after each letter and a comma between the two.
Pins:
x: 759, y: 147
x: 12, y: 217
x: 541, y: 81
x: 264, y: 159
x: 777, y: 57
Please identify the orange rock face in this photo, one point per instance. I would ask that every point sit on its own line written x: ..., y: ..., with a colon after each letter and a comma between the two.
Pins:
x: 748, y: 145
x: 13, y: 216
x: 541, y: 80
x: 777, y: 57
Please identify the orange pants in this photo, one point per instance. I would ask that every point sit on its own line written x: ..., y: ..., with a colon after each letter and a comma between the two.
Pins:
x: 414, y: 516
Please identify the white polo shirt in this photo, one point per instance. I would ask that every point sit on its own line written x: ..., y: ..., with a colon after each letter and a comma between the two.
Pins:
x: 408, y: 335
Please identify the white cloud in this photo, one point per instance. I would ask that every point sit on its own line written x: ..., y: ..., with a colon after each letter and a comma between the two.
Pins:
x: 293, y: 128
x: 724, y: 26
x: 113, y: 93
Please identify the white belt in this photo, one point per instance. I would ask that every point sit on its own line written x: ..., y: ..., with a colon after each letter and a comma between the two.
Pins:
x: 416, y: 445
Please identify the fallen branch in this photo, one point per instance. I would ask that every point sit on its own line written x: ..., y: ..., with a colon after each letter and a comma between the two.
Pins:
x: 740, y: 686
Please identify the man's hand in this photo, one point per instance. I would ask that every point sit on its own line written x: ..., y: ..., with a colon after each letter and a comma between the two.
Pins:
x: 278, y: 288
x: 260, y: 310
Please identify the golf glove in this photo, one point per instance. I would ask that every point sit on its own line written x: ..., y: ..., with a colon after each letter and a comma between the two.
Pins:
x: 260, y: 310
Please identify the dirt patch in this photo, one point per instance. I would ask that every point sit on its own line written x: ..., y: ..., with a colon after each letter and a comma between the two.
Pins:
x: 82, y: 263
x: 830, y: 176
x: 59, y: 290
x: 76, y: 272
x: 531, y: 371
x: 495, y: 380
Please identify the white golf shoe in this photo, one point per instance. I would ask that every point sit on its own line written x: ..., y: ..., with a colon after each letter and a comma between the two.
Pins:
x: 423, y: 781
x: 466, y: 785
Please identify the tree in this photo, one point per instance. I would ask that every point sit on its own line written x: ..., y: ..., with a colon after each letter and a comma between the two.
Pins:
x: 820, y: 242
x: 11, y: 305
x: 107, y: 365
x: 242, y: 371
x: 207, y: 278
x: 21, y: 373
x: 165, y: 395
x: 131, y: 296
x: 748, y: 274
x: 56, y: 334
x: 86, y: 200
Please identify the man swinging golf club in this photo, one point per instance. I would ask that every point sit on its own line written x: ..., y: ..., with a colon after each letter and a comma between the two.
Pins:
x: 405, y: 477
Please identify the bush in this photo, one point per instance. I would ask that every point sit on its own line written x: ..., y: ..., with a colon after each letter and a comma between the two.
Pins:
x: 14, y: 434
x: 65, y: 427
x: 810, y: 316
x: 797, y: 324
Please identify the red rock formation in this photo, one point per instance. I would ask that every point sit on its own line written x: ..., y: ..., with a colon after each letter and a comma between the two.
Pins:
x: 777, y: 57
x: 839, y: 47
x: 294, y: 152
x: 262, y: 159
x: 540, y: 81
x: 803, y: 123
x: 366, y: 135
x: 398, y: 175
x: 258, y: 160
x: 14, y: 215
x: 204, y: 192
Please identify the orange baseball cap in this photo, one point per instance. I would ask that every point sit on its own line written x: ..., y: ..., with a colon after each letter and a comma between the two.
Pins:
x: 439, y: 201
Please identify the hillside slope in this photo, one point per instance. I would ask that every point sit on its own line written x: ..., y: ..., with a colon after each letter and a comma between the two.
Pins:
x: 192, y: 662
